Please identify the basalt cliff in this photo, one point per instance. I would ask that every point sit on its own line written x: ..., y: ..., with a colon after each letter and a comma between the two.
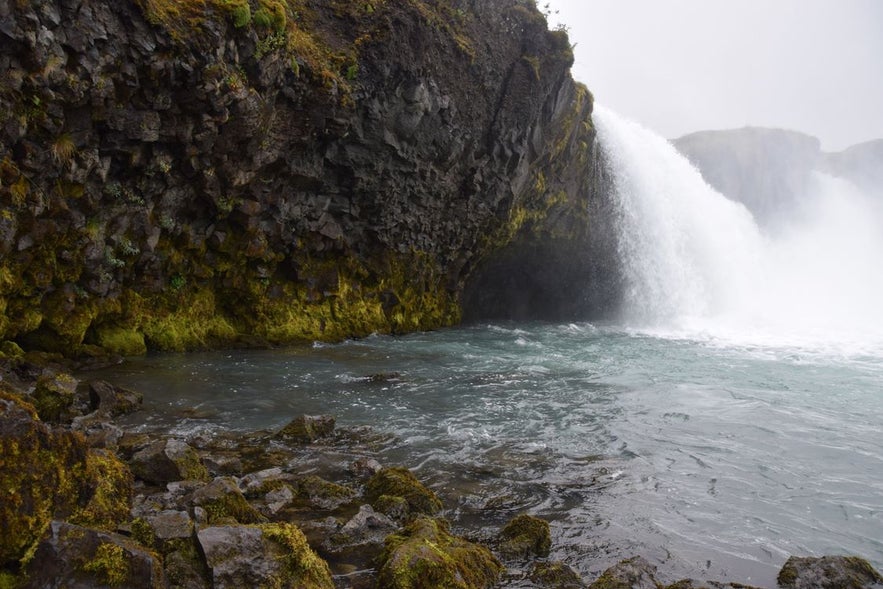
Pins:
x: 184, y: 174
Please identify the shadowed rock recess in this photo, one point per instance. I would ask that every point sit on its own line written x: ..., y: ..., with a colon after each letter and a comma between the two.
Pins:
x: 190, y: 174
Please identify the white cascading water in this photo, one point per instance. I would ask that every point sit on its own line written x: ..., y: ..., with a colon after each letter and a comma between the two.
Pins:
x: 698, y: 265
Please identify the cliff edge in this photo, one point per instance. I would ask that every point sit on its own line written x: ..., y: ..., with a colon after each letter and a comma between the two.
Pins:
x: 186, y: 174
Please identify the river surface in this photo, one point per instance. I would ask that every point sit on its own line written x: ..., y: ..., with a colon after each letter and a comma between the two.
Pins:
x: 710, y: 459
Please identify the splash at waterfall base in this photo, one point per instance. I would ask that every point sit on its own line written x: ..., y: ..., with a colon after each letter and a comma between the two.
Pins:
x: 268, y: 507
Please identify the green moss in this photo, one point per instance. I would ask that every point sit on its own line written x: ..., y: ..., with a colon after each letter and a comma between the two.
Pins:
x: 324, y: 494
x: 9, y: 581
x: 400, y: 482
x: 53, y: 396
x: 426, y: 556
x: 556, y: 575
x: 526, y: 535
x: 41, y: 477
x: 111, y: 483
x: 142, y: 532
x: 302, y: 567
x: 224, y: 503
x: 121, y: 340
x: 109, y: 565
x: 11, y: 350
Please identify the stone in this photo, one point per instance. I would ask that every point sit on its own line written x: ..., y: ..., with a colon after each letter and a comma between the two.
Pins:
x: 112, y: 400
x: 54, y: 396
x: 425, y: 555
x: 166, y: 461
x: 365, y: 467
x: 829, y: 572
x: 318, y: 493
x: 268, y: 555
x: 633, y: 573
x: 524, y: 536
x: 81, y: 558
x: 556, y: 575
x: 308, y: 428
x: 223, y: 502
x: 361, y: 539
x: 401, y: 482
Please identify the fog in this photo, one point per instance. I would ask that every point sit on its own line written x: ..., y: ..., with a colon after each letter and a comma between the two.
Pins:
x: 679, y: 66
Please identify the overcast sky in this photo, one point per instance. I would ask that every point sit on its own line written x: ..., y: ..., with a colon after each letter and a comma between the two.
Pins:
x: 679, y: 66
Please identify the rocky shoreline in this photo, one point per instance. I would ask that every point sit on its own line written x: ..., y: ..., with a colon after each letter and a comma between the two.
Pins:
x: 90, y: 502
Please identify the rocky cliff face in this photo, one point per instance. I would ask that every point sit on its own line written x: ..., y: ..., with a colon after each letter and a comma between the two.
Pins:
x: 193, y: 173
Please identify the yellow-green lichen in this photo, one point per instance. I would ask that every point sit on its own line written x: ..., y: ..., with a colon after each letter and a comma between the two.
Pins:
x: 301, y: 566
x: 400, y: 482
x: 121, y: 340
x: 525, y: 535
x: 109, y: 565
x: 111, y: 483
x: 426, y: 556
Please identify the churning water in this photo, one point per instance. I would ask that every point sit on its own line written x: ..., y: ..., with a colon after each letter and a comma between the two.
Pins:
x: 731, y: 419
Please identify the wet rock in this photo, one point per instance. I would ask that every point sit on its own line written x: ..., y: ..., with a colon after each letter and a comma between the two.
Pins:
x: 829, y: 572
x: 525, y: 535
x: 361, y: 539
x: 365, y: 467
x: 277, y: 500
x: 54, y: 396
x: 112, y: 400
x: 224, y: 503
x: 634, y: 573
x: 694, y: 584
x: 82, y: 558
x: 259, y: 483
x: 259, y: 556
x: 99, y: 431
x: 425, y: 554
x: 556, y: 575
x: 308, y: 428
x: 166, y: 461
x: 39, y: 468
x: 321, y: 494
x: 400, y: 482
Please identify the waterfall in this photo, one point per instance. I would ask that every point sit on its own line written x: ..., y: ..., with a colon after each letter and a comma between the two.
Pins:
x: 697, y: 264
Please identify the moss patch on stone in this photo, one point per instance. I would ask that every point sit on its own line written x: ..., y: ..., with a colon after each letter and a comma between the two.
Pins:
x: 426, y: 556
x: 525, y: 535
x: 111, y: 483
x: 301, y: 566
x: 109, y: 565
x: 401, y: 482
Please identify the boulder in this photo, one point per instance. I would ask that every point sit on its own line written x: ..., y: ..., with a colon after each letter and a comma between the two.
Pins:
x: 525, y: 535
x: 54, y: 397
x: 634, y: 573
x: 166, y: 461
x: 224, y: 503
x: 269, y: 555
x: 400, y: 482
x: 556, y: 575
x: 40, y: 480
x: 75, y: 557
x: 108, y: 484
x: 112, y: 400
x: 308, y: 428
x: 425, y: 555
x: 361, y: 539
x: 317, y: 493
x: 829, y: 572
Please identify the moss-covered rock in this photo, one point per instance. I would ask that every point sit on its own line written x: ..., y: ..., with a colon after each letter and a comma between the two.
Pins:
x: 318, y: 493
x: 54, y: 396
x: 110, y: 485
x: 224, y: 503
x: 828, y: 572
x: 525, y: 535
x: 268, y: 555
x: 308, y: 428
x: 166, y: 461
x: 556, y: 575
x: 41, y: 476
x: 83, y: 557
x: 121, y: 340
x: 633, y: 573
x: 401, y: 482
x: 426, y: 556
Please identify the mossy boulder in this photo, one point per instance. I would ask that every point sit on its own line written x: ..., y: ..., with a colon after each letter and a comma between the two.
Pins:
x: 224, y: 503
x: 85, y: 558
x: 54, y: 396
x: 318, y: 493
x: 42, y: 472
x: 427, y: 556
x: 401, y: 482
x: 308, y: 428
x: 121, y: 340
x: 633, y: 573
x: 110, y: 485
x: 166, y: 461
x: 828, y: 572
x: 268, y: 555
x: 556, y: 575
x: 525, y: 535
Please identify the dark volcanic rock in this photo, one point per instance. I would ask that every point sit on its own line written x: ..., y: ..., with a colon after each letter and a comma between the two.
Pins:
x: 634, y: 573
x: 175, y: 182
x: 112, y: 400
x: 167, y: 461
x: 308, y: 428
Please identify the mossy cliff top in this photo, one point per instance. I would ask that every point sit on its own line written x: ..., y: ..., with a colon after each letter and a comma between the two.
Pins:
x: 191, y: 174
